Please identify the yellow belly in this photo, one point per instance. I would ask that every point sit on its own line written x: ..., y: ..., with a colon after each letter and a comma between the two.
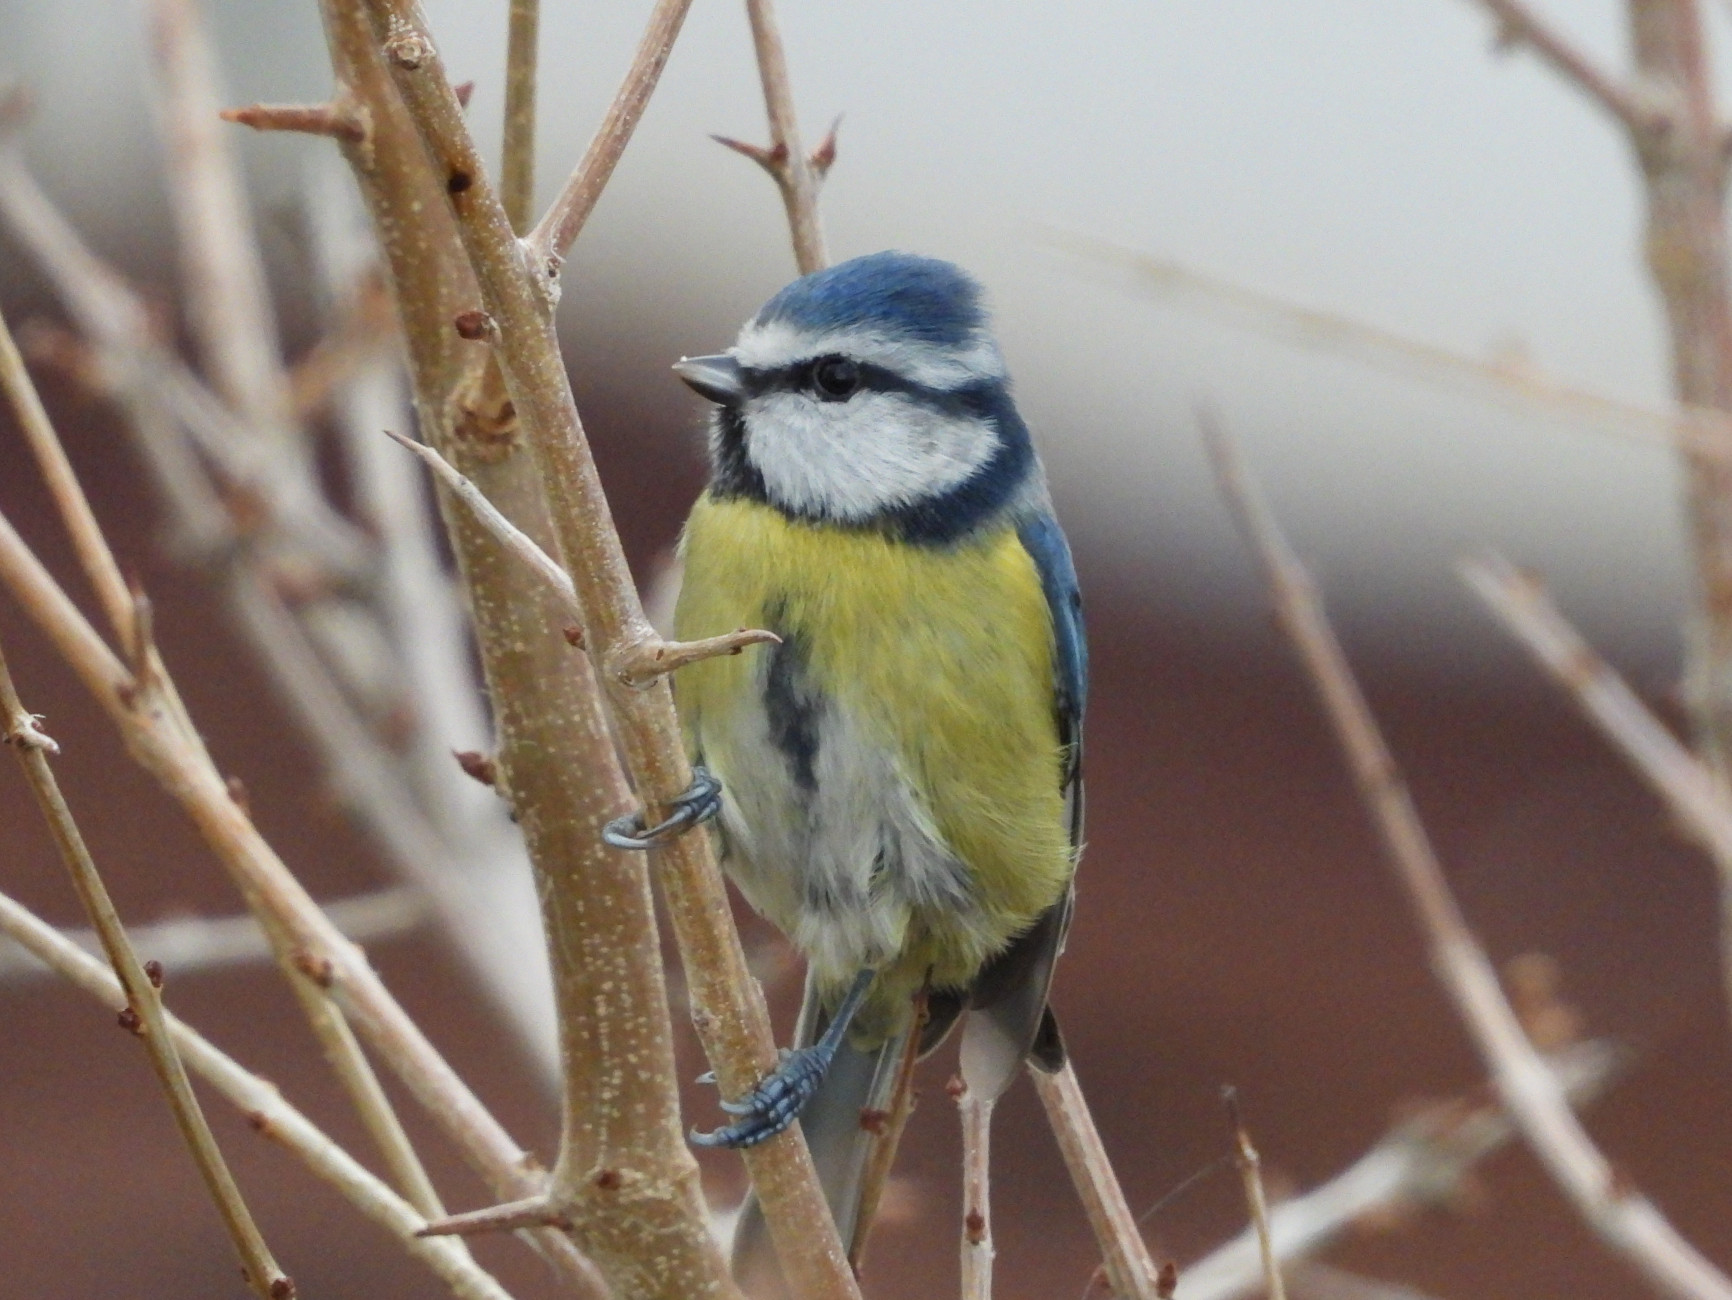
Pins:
x: 940, y: 657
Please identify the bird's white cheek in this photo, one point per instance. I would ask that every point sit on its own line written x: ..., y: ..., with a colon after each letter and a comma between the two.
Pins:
x: 854, y: 459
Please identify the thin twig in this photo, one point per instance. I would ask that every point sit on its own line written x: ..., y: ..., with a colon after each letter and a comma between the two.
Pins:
x: 1130, y: 1272
x: 192, y: 945
x: 143, y: 1014
x: 644, y: 662
x: 728, y: 1006
x: 94, y: 556
x: 558, y: 228
x: 320, y: 949
x: 1251, y: 1174
x: 338, y: 120
x: 223, y: 278
x: 1624, y: 1219
x: 1313, y: 1280
x: 1518, y: 24
x: 1422, y: 1161
x: 977, y: 1249
x: 797, y: 176
x: 264, y: 1108
x: 517, y: 157
x: 1699, y: 430
x: 1689, y: 788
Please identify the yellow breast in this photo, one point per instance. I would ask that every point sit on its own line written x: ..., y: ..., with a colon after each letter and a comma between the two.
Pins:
x: 944, y: 654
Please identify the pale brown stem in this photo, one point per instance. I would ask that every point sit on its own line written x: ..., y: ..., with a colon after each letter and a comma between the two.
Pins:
x: 517, y: 157
x: 224, y: 281
x: 798, y: 177
x: 194, y: 944
x: 321, y: 951
x: 1422, y: 1161
x: 642, y: 662
x: 1130, y: 1272
x: 338, y: 121
x: 264, y: 1108
x: 977, y: 1249
x: 728, y: 1007
x: 1699, y: 430
x: 1251, y: 1174
x: 1518, y: 24
x: 558, y: 228
x: 1690, y: 789
x: 94, y: 556
x: 144, y: 1015
x: 625, y: 1185
x: 1625, y: 1220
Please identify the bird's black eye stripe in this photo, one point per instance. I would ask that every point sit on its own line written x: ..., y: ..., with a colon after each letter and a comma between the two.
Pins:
x: 803, y: 377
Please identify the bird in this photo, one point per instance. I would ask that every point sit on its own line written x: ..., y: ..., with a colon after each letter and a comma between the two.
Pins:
x: 901, y: 774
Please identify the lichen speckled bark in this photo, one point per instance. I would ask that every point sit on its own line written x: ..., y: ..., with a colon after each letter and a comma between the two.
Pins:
x: 625, y: 1181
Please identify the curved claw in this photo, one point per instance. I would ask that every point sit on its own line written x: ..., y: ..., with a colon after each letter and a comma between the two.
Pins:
x: 698, y: 803
x: 775, y: 1103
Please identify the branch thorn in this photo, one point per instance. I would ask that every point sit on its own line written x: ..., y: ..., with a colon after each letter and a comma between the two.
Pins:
x: 338, y: 120
x: 823, y: 157
x: 535, y: 1212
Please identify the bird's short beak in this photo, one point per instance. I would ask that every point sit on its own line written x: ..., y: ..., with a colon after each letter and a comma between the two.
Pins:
x: 717, y: 378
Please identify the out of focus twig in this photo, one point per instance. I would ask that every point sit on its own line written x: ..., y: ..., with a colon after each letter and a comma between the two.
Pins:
x: 1626, y: 1220
x: 264, y: 1108
x: 1251, y: 1173
x: 192, y: 945
x: 143, y: 1014
x: 1421, y: 1161
x: 1689, y: 788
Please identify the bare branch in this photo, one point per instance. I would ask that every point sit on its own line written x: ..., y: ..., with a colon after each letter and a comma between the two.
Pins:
x: 1130, y: 1272
x: 191, y: 945
x: 558, y: 228
x: 797, y: 176
x: 1687, y: 785
x: 517, y: 158
x: 1624, y: 1219
x: 640, y: 662
x: 143, y: 1015
x: 224, y: 280
x: 93, y: 553
x: 1251, y: 1173
x: 977, y: 1249
x: 338, y: 120
x: 1699, y: 430
x: 1520, y: 25
x: 1421, y: 1161
x: 264, y: 1108
x: 728, y: 1007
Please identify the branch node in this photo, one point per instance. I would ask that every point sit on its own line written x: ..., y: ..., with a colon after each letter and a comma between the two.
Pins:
x: 26, y: 733
x: 407, y: 48
x: 463, y: 91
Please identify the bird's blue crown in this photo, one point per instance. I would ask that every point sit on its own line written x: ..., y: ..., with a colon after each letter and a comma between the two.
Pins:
x: 918, y: 298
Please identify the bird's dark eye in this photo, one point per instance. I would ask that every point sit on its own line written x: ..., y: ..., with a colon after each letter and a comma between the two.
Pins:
x: 834, y: 379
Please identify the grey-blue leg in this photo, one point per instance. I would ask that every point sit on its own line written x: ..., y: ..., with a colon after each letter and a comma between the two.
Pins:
x: 778, y: 1100
x: 698, y: 802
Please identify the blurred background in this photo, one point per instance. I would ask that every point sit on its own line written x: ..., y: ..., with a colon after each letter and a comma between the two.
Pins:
x: 1236, y: 922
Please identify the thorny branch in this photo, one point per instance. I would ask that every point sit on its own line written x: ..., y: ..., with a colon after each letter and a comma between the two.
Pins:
x: 1520, y: 25
x: 1625, y: 1219
x: 727, y: 1006
x: 264, y: 1107
x: 143, y: 1014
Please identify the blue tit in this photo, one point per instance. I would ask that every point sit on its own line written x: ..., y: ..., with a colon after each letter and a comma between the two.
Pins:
x: 901, y: 775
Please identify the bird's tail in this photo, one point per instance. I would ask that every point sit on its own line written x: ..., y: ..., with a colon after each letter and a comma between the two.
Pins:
x: 841, y: 1147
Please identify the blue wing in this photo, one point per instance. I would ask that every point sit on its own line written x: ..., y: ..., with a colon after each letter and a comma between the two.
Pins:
x: 1045, y: 542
